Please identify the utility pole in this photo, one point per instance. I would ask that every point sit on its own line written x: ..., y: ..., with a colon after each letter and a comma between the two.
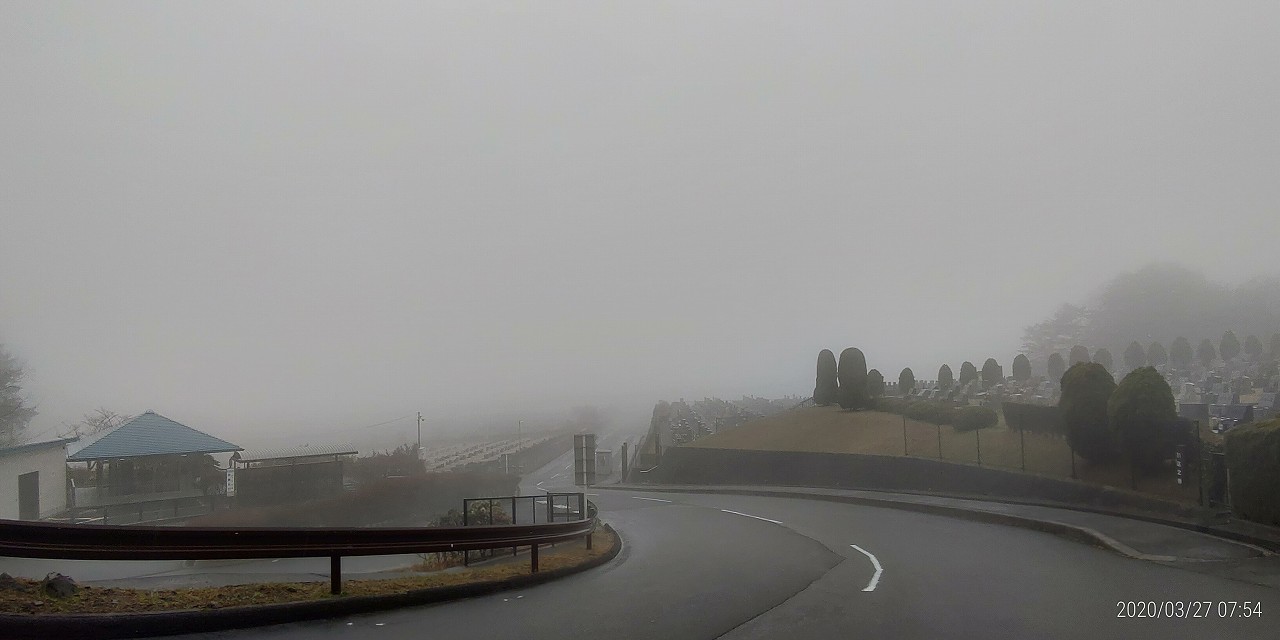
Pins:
x: 419, y: 435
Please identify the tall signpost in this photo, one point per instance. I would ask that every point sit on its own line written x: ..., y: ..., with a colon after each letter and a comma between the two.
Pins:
x: 584, y: 459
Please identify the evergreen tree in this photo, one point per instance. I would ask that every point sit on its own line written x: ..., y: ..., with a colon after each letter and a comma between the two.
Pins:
x: 1086, y: 389
x: 826, y: 388
x: 1206, y: 353
x: 1103, y: 357
x: 1057, y: 366
x: 968, y: 373
x: 1156, y: 355
x: 1079, y: 353
x: 1142, y: 412
x: 1021, y: 368
x: 992, y: 372
x: 1229, y: 347
x: 1253, y: 347
x: 852, y: 375
x: 945, y: 377
x: 1135, y: 356
x: 1180, y: 353
x: 906, y: 381
x: 875, y: 383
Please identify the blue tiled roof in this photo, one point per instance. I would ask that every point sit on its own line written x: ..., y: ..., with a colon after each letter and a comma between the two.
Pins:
x: 150, y: 434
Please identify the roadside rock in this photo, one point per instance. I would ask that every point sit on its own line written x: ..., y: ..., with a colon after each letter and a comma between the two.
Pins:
x: 56, y: 585
x: 8, y: 583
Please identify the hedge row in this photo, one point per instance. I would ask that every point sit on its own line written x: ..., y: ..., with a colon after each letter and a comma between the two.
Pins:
x: 1253, y: 460
x: 1034, y: 418
x: 973, y: 418
x: 963, y: 418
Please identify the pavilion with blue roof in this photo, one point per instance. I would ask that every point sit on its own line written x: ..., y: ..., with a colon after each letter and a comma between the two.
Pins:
x: 151, y: 461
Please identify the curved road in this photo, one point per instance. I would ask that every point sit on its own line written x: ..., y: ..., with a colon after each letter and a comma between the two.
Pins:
x: 725, y: 566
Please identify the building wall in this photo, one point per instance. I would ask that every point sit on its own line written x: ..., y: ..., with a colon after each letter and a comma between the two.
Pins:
x: 51, y: 462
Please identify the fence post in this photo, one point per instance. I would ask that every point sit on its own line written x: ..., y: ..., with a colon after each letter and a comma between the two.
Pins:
x: 335, y: 575
x: 977, y: 436
x: 1022, y: 436
x: 514, y: 550
x: 533, y: 559
x: 1199, y: 463
x: 904, y: 435
x: 939, y: 441
x: 1073, y: 460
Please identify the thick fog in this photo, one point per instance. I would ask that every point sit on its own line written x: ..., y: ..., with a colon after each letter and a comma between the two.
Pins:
x: 268, y: 219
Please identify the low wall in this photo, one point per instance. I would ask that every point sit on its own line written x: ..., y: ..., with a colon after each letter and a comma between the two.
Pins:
x: 689, y: 465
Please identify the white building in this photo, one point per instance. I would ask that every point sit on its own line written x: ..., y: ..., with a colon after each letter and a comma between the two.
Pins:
x: 33, y: 480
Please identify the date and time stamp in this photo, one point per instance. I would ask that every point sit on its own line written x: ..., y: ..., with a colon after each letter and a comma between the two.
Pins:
x: 1188, y: 609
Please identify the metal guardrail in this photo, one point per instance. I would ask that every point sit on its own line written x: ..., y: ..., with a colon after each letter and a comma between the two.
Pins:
x: 95, y: 542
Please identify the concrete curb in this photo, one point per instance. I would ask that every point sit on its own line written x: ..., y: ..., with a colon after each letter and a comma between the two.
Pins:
x: 162, y: 623
x: 1074, y: 532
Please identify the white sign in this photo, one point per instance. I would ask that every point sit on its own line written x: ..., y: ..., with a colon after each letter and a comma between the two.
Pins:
x: 231, y: 482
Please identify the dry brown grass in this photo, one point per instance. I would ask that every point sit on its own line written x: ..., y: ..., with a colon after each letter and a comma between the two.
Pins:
x: 834, y: 430
x: 89, y: 599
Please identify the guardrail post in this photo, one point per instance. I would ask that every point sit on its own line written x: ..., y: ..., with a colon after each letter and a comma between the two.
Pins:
x: 588, y: 542
x: 335, y: 575
x: 533, y: 559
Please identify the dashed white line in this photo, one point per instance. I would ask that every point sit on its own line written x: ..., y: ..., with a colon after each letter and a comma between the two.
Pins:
x: 739, y: 513
x: 651, y: 499
x: 875, y: 579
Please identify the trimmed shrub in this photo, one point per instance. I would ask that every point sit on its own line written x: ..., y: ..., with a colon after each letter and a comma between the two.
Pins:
x: 1253, y: 347
x: 1103, y: 357
x: 992, y: 372
x: 1206, y: 353
x: 1180, y: 353
x: 826, y: 388
x: 1086, y: 389
x: 1135, y: 356
x: 1253, y: 460
x: 1142, y: 411
x: 946, y: 379
x: 1079, y: 353
x: 852, y: 375
x: 1056, y: 366
x: 1156, y: 355
x: 1021, y: 368
x: 1229, y: 347
x: 906, y: 381
x: 931, y: 412
x: 968, y: 373
x: 972, y: 418
x: 1033, y: 418
x: 875, y: 384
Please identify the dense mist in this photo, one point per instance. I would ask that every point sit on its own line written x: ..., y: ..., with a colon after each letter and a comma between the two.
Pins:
x: 282, y: 222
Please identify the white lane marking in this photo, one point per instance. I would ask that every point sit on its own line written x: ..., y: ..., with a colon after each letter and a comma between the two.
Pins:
x: 875, y: 579
x: 594, y: 494
x: 739, y: 513
x: 555, y: 476
x: 653, y: 499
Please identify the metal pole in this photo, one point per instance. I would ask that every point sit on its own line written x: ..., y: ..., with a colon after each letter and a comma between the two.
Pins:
x: 977, y: 435
x: 419, y: 433
x: 513, y: 521
x: 533, y: 559
x: 1022, y: 436
x: 335, y: 575
x: 1073, y: 461
x: 1199, y: 463
x: 904, y: 435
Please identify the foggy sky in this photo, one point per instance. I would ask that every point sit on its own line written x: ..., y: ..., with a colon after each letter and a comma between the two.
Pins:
x: 264, y: 219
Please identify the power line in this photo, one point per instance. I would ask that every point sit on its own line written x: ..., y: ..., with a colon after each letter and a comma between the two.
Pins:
x: 368, y: 426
